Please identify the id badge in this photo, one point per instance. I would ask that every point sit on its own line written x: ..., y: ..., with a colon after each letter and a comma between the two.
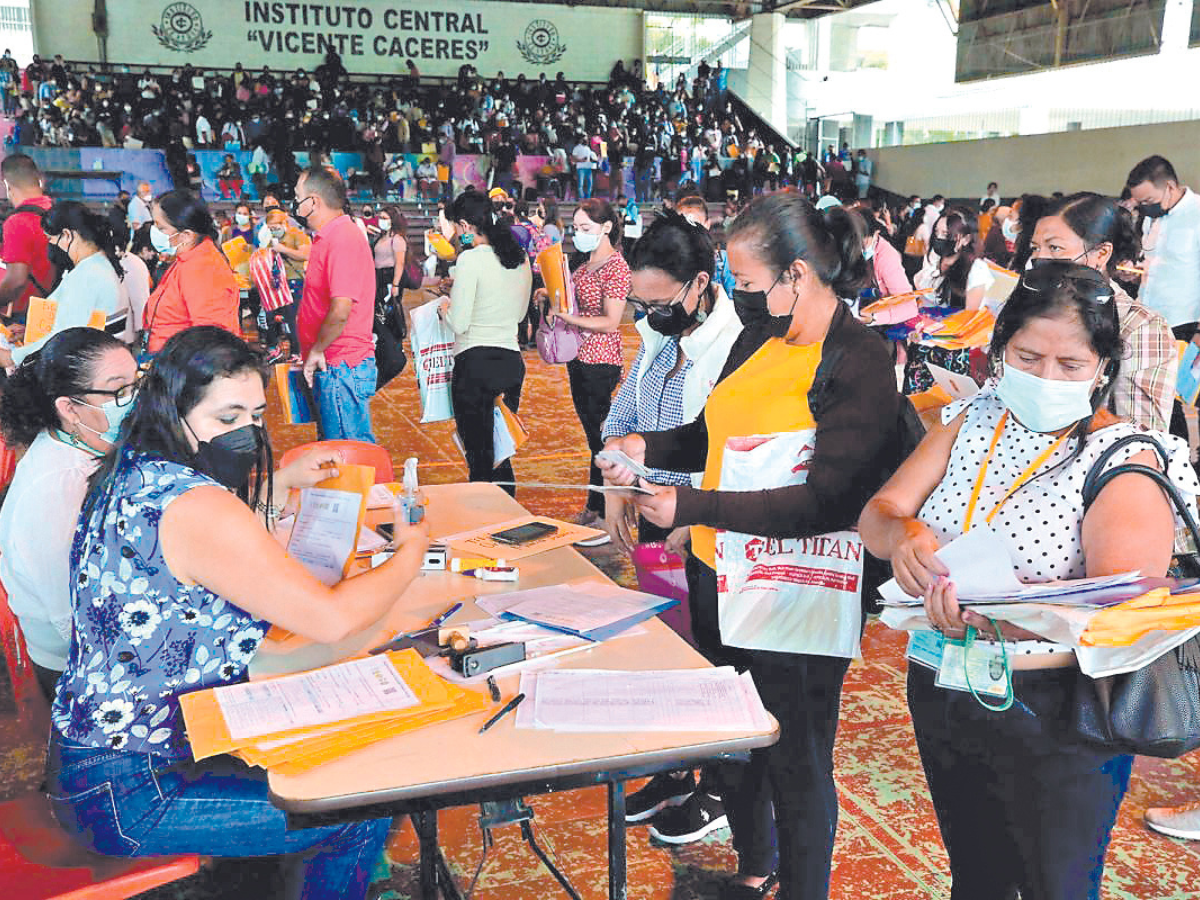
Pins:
x: 985, y: 667
x: 925, y: 648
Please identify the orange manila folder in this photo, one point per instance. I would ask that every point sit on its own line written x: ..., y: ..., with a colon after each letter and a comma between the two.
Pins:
x: 557, y: 277
x: 296, y: 756
x: 39, y: 320
x: 396, y: 685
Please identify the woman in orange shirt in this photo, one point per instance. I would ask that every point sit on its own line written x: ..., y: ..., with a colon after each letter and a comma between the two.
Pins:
x: 199, y: 288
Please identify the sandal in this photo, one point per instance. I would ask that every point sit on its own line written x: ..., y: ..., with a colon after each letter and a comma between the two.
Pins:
x: 732, y: 890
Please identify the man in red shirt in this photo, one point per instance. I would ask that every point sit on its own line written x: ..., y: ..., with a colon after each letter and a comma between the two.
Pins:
x: 29, y: 272
x: 337, y: 311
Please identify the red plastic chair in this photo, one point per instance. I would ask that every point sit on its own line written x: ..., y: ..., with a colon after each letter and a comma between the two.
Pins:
x: 355, y: 452
x: 38, y: 860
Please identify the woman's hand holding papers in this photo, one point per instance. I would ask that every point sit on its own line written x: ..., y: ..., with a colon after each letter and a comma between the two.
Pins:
x: 633, y: 446
x: 914, y: 559
x: 657, y: 507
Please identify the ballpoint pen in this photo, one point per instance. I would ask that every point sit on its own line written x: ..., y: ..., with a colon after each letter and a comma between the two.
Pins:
x: 508, y: 707
x: 439, y: 620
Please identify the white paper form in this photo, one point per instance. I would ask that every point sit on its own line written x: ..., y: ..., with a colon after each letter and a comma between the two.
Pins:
x: 325, y: 533
x: 332, y: 694
x: 580, y: 607
x: 960, y: 387
x: 592, y: 700
x: 978, y: 562
x: 982, y: 572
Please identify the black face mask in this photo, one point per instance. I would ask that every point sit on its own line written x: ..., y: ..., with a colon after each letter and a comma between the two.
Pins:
x: 230, y: 457
x: 1153, y: 210
x: 751, y: 307
x: 302, y: 221
x: 59, y: 258
x: 672, y: 320
x: 942, y: 246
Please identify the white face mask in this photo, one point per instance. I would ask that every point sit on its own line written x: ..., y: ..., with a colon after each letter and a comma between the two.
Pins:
x: 1044, y: 404
x: 586, y: 243
x: 385, y: 224
x: 1010, y: 230
x: 242, y: 219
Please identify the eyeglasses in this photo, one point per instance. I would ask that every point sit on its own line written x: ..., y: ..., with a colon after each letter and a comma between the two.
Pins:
x: 658, y: 307
x: 122, y: 395
x: 1052, y: 274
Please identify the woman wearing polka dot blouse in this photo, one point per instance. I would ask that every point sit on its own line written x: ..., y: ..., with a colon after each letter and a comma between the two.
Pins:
x: 1022, y: 804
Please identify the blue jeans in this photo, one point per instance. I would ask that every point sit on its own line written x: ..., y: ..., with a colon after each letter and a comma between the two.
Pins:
x: 583, y: 184
x: 343, y: 396
x: 128, y: 804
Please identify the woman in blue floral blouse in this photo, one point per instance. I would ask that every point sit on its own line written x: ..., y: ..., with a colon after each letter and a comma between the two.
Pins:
x: 175, y: 582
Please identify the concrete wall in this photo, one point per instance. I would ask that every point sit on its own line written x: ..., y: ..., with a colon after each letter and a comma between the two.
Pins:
x: 1068, y: 161
x: 371, y: 35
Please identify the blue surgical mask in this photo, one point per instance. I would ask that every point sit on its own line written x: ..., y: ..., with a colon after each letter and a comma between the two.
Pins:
x: 161, y: 242
x: 1043, y: 404
x: 114, y: 413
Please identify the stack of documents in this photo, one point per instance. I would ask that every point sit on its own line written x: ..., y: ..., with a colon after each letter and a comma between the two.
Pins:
x: 590, y: 609
x: 708, y: 700
x: 293, y: 723
x: 962, y: 330
x: 982, y: 572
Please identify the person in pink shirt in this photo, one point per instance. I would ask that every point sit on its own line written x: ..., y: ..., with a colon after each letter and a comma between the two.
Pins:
x: 887, y: 268
x: 337, y: 309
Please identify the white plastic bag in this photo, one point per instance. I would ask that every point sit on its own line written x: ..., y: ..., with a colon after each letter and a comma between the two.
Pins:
x: 433, y: 357
x: 790, y: 595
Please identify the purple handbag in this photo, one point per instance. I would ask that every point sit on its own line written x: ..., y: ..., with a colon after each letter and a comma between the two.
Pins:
x: 558, y: 343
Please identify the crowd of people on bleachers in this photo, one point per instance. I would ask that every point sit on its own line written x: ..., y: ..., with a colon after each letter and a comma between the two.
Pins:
x: 661, y: 134
x: 753, y: 323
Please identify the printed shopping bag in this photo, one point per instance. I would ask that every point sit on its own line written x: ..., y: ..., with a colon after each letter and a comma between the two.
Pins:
x: 790, y: 595
x: 433, y: 357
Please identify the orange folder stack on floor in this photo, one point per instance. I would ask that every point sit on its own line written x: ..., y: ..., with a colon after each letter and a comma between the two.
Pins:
x: 394, y: 693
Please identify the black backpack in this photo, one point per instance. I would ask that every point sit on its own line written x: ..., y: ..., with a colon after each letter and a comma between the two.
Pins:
x: 41, y: 214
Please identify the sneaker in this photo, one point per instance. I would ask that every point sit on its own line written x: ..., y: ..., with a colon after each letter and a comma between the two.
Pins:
x: 1177, y: 821
x: 661, y: 791
x: 697, y: 816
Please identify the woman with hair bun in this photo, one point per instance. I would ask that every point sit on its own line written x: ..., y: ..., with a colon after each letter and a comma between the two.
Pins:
x: 81, y: 245
x: 489, y: 296
x: 792, y: 265
x: 1095, y: 231
x: 199, y: 288
x: 65, y: 403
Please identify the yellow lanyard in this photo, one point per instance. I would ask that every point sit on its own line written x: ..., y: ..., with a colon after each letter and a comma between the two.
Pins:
x: 1016, y: 485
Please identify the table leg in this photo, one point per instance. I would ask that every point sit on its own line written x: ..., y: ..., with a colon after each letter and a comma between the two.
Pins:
x: 425, y: 823
x: 617, y: 888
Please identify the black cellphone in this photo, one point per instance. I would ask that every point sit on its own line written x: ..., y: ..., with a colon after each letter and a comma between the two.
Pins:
x: 523, y: 534
x: 386, y: 530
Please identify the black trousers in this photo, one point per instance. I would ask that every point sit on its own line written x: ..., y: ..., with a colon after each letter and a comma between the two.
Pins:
x: 481, y: 374
x: 785, y: 795
x: 47, y: 680
x: 592, y: 386
x: 1021, y: 805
